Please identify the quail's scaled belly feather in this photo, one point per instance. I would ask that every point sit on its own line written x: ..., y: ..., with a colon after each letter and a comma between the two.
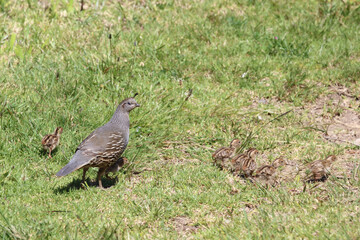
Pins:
x: 105, y: 145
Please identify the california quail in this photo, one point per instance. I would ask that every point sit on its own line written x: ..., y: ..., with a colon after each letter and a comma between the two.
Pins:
x: 244, y: 164
x: 224, y: 154
x: 104, y: 146
x: 264, y: 174
x: 50, y: 141
x: 265, y: 170
x: 320, y: 169
x: 115, y: 167
x: 269, y: 170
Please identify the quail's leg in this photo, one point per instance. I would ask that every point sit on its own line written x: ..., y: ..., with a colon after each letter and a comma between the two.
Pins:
x: 84, y: 174
x: 50, y: 153
x: 100, y: 174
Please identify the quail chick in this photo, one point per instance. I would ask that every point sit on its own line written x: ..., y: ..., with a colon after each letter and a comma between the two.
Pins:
x: 269, y: 170
x: 223, y: 155
x: 104, y: 146
x: 320, y: 169
x: 244, y: 164
x: 265, y: 170
x: 265, y: 173
x: 50, y: 141
x: 116, y: 166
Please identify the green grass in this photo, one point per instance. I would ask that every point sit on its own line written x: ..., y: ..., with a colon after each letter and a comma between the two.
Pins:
x: 60, y: 67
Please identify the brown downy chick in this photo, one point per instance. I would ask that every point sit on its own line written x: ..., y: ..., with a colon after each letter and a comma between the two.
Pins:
x: 224, y: 154
x: 265, y: 170
x: 269, y: 170
x: 244, y: 164
x: 116, y: 166
x: 265, y: 173
x: 320, y: 169
x: 50, y: 141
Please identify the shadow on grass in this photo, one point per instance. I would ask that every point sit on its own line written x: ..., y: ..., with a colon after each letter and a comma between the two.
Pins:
x: 44, y: 153
x: 77, y: 184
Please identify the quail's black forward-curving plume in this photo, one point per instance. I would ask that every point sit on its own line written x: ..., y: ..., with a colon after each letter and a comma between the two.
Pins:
x: 104, y: 146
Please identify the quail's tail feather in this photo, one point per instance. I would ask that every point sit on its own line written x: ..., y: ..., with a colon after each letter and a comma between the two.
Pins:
x: 78, y: 161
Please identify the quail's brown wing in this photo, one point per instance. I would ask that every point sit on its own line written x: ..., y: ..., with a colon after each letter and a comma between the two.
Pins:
x: 316, y: 171
x: 248, y: 166
x: 267, y: 170
x: 219, y: 153
x: 47, y: 140
x: 237, y: 162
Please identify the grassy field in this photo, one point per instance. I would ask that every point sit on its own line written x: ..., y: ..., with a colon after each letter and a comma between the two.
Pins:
x: 206, y: 72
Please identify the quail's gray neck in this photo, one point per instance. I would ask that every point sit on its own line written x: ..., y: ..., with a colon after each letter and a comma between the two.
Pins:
x: 121, y: 117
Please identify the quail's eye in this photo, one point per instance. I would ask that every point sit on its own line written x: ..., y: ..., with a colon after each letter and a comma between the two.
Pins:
x: 129, y: 103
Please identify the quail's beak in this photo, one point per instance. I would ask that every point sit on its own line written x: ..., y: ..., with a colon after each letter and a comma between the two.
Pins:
x: 137, y: 105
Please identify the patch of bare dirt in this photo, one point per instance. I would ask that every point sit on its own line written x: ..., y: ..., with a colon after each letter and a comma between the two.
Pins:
x: 183, y: 225
x: 267, y: 106
x: 345, y: 127
x: 262, y: 102
x: 347, y: 165
x: 337, y: 115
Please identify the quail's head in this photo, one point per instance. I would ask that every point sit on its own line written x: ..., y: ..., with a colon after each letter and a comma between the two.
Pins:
x: 329, y: 160
x: 278, y: 162
x: 252, y: 152
x: 58, y: 130
x: 129, y: 104
x: 123, y: 161
x: 235, y: 143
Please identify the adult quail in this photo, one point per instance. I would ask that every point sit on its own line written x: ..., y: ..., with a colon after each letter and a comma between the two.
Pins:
x: 115, y: 167
x: 50, y: 141
x: 104, y: 146
x: 320, y: 169
x: 244, y: 164
x: 224, y: 154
